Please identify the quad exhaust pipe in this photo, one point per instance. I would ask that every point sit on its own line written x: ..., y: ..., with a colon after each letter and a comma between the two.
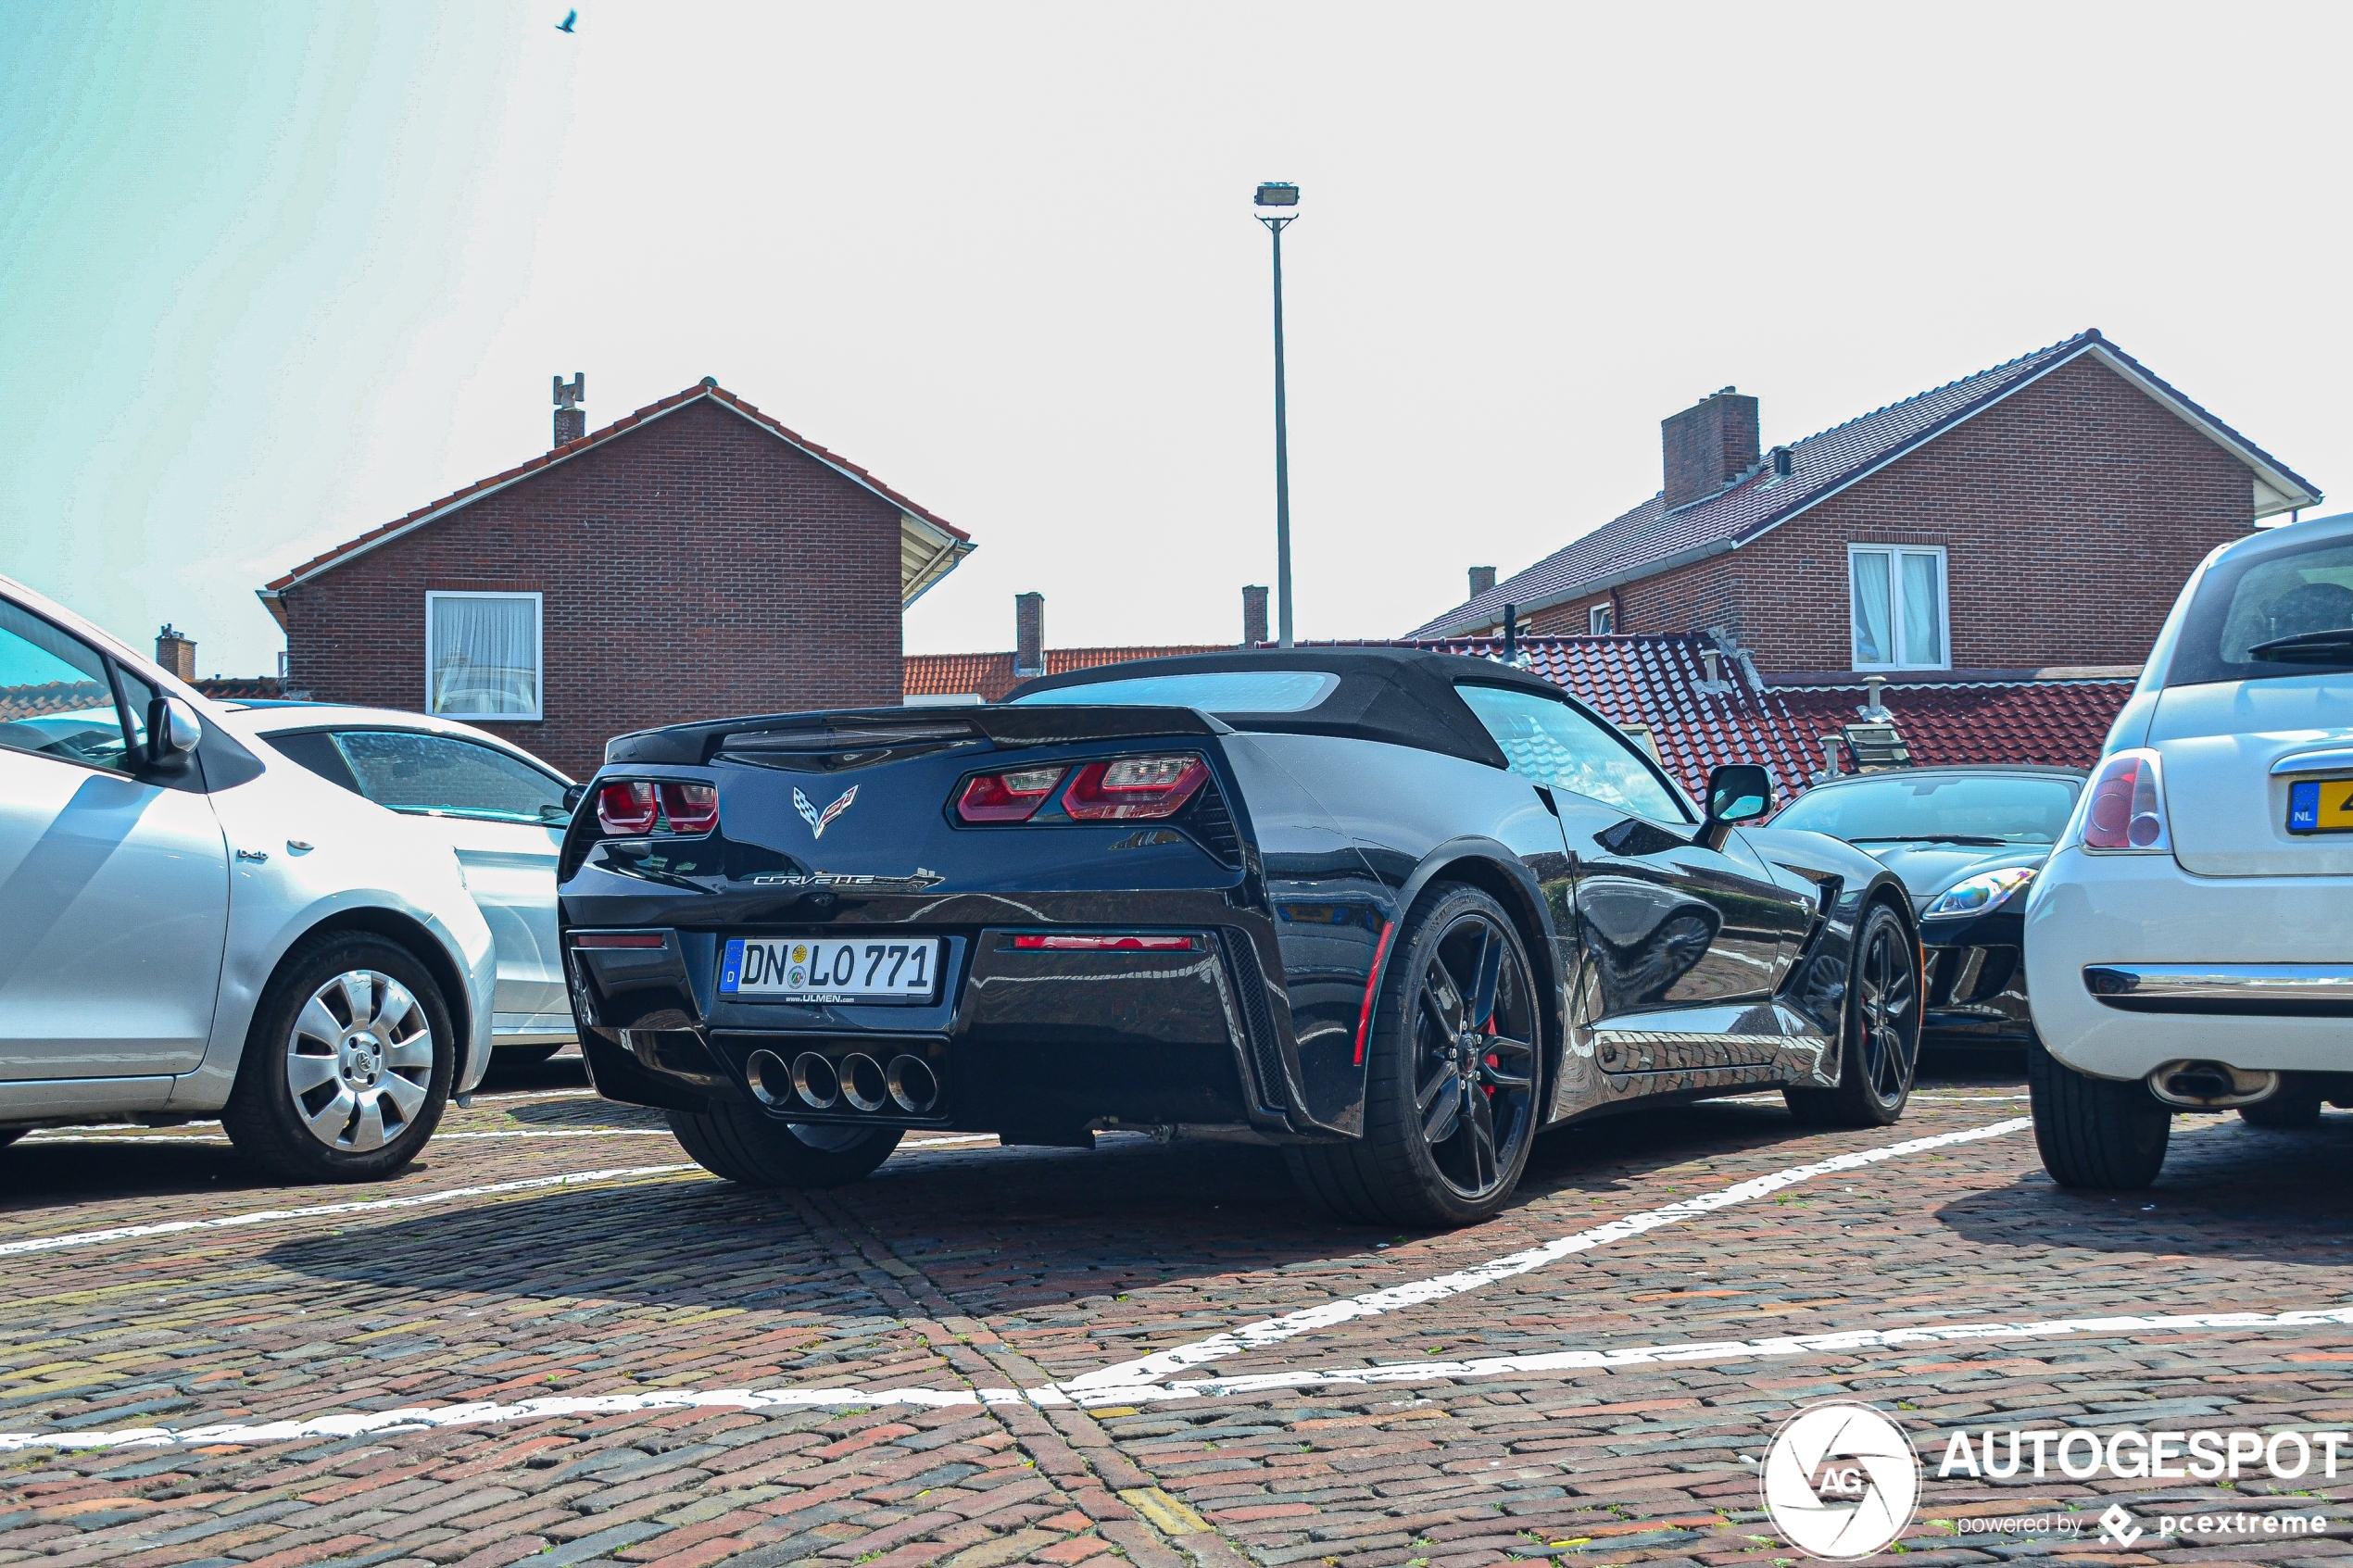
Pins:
x: 818, y: 1083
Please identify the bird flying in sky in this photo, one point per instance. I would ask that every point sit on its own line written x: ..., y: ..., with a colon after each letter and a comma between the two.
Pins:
x: 570, y: 17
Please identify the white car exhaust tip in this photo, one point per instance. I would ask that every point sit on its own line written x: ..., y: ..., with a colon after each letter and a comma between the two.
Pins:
x: 2210, y: 1085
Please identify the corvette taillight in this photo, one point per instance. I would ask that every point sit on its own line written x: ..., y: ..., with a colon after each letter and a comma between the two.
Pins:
x: 1135, y: 789
x: 2127, y: 807
x: 691, y: 808
x: 1008, y: 797
x: 627, y: 810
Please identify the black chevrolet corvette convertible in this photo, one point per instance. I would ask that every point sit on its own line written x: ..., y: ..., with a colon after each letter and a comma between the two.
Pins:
x: 1394, y: 911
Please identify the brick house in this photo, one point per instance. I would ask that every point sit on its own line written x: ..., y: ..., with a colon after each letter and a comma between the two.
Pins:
x: 2039, y: 514
x: 694, y: 559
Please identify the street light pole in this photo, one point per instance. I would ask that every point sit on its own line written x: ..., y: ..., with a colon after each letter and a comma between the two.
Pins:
x: 1280, y: 195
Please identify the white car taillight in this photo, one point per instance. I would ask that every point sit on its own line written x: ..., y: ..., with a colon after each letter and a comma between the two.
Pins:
x: 2126, y: 811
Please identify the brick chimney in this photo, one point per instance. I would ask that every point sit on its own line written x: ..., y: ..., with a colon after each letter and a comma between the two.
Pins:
x: 571, y: 420
x: 1029, y: 635
x: 176, y: 653
x: 1253, y: 616
x: 1481, y: 579
x: 1706, y: 445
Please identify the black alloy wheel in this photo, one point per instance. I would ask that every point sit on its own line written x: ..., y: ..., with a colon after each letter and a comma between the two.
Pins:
x: 1450, y: 1095
x: 1879, y: 1048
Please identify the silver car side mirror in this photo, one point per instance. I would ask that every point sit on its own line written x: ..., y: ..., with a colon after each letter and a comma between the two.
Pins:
x: 174, y: 730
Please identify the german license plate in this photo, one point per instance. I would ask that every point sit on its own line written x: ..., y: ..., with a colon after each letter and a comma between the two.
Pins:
x: 801, y: 968
x: 2319, y: 806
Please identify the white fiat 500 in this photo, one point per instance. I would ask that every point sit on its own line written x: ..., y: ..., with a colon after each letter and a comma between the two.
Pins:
x: 2190, y: 944
x: 193, y: 926
x: 502, y: 809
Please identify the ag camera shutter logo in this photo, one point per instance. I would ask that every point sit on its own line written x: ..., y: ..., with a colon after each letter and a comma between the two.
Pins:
x: 1840, y: 1481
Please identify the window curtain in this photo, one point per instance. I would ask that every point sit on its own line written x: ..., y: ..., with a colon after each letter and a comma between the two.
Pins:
x: 1871, y: 608
x: 484, y: 658
x: 1923, y: 610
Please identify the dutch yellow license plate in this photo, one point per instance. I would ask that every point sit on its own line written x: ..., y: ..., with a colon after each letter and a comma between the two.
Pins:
x: 2319, y: 806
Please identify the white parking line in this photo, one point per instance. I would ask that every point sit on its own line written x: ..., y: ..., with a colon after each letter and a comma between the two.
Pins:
x: 370, y: 1206
x: 1273, y: 1331
x: 419, y: 1418
x: 360, y: 1206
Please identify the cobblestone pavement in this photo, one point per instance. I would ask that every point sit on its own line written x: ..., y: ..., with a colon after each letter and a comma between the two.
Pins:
x: 964, y: 1267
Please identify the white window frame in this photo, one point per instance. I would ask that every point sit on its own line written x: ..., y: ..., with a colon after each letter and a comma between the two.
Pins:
x: 1600, y: 621
x: 539, y: 643
x: 1896, y: 602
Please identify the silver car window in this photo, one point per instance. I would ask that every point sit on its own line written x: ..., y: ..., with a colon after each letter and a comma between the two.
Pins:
x: 410, y: 771
x: 1556, y: 745
x: 54, y: 696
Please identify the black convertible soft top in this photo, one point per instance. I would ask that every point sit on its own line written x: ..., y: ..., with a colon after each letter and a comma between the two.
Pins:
x: 1404, y: 696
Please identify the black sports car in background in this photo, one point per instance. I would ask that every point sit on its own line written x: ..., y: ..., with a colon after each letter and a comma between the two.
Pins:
x: 1391, y: 911
x: 1967, y: 842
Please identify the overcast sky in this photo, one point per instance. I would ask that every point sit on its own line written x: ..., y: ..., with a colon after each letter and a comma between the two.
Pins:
x: 274, y: 275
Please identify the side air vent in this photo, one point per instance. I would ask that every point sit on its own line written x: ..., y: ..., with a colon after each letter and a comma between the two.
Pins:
x: 1213, y: 826
x: 1260, y: 1020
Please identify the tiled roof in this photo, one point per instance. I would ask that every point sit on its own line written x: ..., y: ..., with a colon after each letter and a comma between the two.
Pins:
x: 991, y: 675
x: 2059, y: 722
x: 1659, y: 683
x: 710, y: 389
x: 240, y: 688
x: 51, y: 696
x: 1649, y: 538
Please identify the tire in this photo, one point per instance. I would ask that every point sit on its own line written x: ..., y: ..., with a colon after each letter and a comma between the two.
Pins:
x: 747, y: 1147
x: 522, y: 1056
x: 371, y: 1034
x: 1456, y: 1031
x: 1878, y: 1048
x: 2092, y: 1131
x: 2294, y: 1104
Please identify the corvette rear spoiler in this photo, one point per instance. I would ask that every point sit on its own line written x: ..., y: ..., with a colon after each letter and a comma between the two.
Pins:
x: 902, y: 729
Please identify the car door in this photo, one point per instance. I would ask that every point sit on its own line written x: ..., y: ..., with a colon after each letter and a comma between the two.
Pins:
x: 113, y: 885
x: 1682, y: 946
x: 506, y: 820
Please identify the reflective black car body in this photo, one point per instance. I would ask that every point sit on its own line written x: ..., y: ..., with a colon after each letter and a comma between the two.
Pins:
x: 1976, y: 979
x: 1662, y: 968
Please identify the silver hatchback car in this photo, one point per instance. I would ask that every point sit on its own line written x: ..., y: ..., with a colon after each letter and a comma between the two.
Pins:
x: 191, y: 925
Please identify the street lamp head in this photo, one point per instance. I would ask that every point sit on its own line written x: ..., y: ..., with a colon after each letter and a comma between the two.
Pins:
x: 1277, y: 193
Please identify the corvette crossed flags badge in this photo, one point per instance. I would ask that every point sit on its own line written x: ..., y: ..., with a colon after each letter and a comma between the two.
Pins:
x: 816, y: 819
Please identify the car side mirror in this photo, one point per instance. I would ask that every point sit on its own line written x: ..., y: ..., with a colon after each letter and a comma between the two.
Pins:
x: 173, y: 731
x: 1737, y: 792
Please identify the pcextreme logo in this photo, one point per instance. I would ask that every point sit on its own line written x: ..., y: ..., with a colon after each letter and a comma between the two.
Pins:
x: 1840, y: 1481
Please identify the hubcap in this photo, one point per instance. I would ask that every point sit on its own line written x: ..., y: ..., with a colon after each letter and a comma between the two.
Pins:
x: 360, y: 1061
x: 1474, y: 1028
